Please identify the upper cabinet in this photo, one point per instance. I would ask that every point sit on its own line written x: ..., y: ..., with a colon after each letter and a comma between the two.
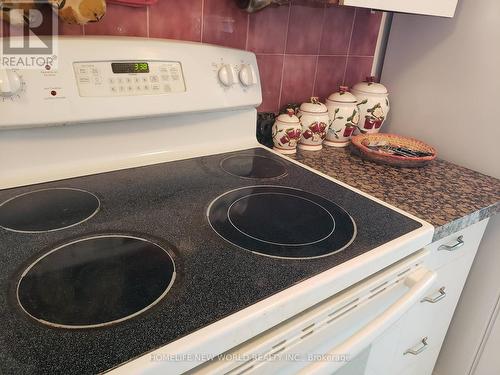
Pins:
x: 443, y: 8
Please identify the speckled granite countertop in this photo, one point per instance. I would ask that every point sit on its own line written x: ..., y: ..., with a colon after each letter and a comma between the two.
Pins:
x: 448, y: 196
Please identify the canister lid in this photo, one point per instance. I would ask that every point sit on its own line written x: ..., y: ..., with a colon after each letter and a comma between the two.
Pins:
x: 342, y: 96
x: 369, y: 86
x: 288, y: 117
x: 313, y: 106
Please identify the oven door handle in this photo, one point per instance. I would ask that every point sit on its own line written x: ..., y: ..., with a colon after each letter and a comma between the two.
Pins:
x: 419, y: 283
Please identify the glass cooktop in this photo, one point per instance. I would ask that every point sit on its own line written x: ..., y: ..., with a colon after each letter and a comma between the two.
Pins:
x: 97, y: 270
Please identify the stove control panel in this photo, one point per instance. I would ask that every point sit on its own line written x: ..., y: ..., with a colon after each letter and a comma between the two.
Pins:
x: 97, y: 79
x: 128, y: 78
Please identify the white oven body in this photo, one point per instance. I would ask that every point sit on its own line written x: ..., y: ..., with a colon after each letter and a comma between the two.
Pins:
x: 83, y: 130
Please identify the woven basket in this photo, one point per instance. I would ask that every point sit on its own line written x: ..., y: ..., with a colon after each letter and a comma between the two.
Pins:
x: 359, y: 143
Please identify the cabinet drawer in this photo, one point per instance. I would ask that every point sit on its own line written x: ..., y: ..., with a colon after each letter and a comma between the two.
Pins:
x: 432, y: 316
x: 456, y: 245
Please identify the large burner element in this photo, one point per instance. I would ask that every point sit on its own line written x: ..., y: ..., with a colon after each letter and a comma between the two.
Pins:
x: 96, y: 282
x: 281, y: 222
x: 48, y: 210
x: 253, y: 166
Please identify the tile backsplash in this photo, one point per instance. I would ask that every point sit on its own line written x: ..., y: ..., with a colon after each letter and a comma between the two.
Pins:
x: 302, y: 50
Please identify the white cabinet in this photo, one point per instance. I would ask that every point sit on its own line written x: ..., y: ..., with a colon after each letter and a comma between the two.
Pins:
x: 443, y: 8
x: 412, y: 345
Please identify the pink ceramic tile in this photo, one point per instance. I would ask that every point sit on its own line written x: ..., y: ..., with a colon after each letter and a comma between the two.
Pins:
x: 120, y: 20
x: 267, y: 30
x: 176, y: 19
x: 358, y: 68
x: 298, y: 79
x: 5, y: 29
x: 329, y: 75
x: 224, y: 23
x: 337, y: 29
x: 270, y: 69
x: 304, y: 28
x: 365, y: 33
x: 67, y: 29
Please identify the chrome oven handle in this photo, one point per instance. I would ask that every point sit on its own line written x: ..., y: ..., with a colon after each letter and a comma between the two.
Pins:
x: 458, y: 245
x: 442, y: 294
x: 422, y: 345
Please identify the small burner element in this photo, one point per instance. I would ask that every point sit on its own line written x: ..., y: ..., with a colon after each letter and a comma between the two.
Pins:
x: 281, y: 222
x: 48, y: 210
x: 96, y: 281
x: 253, y: 166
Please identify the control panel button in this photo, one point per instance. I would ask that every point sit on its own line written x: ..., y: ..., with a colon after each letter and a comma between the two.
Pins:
x: 11, y: 83
x: 227, y: 75
x: 247, y: 75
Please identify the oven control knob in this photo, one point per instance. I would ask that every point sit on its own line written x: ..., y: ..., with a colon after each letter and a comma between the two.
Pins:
x: 247, y: 75
x: 10, y: 83
x: 226, y: 75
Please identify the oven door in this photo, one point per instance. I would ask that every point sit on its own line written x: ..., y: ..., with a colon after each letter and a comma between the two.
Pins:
x: 333, y: 335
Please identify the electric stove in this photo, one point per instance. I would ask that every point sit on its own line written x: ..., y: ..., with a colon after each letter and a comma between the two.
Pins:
x: 146, y: 224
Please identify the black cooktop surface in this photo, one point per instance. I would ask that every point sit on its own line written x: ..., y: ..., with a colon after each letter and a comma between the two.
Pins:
x: 158, y: 252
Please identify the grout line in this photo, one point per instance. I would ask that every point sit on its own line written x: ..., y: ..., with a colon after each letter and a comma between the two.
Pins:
x: 284, y: 53
x: 147, y: 21
x: 319, y: 49
x: 349, y: 45
x: 305, y: 55
x: 248, y: 30
x: 287, y: 26
x: 202, y: 20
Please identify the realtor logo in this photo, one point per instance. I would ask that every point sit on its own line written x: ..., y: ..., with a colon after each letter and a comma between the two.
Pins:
x: 29, y: 36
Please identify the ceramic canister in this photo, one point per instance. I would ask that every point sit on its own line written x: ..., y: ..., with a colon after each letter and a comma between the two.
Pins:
x: 373, y: 102
x: 314, y: 120
x: 286, y: 132
x: 343, y: 112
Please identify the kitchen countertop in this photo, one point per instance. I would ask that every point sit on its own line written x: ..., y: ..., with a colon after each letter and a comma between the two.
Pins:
x: 446, y: 195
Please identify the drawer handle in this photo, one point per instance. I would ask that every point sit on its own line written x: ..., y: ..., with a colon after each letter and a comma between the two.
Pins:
x: 422, y: 345
x: 442, y: 294
x: 458, y: 245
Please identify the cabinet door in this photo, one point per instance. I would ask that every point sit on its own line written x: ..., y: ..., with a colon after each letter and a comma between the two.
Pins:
x: 443, y: 8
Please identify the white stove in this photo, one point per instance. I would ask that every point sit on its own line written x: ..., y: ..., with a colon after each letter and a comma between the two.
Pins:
x: 155, y: 141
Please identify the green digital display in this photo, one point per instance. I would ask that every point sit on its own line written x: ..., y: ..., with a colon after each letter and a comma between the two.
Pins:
x: 130, y: 67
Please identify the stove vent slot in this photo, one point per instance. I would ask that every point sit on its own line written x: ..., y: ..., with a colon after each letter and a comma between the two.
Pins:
x: 335, y: 317
x: 239, y: 369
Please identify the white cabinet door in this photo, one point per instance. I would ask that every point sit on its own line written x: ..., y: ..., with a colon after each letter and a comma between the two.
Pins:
x: 443, y: 8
